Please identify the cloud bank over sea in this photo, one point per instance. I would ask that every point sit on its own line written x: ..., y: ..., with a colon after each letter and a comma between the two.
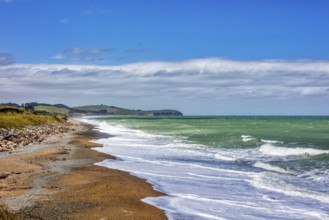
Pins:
x: 190, y: 81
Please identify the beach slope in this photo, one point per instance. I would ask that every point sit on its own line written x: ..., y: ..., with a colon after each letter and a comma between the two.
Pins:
x: 57, y: 179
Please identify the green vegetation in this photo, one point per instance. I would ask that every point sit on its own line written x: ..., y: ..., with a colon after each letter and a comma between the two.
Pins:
x: 60, y: 109
x: 112, y: 110
x: 51, y: 109
x: 6, y: 214
x: 5, y: 109
x: 107, y: 110
x: 20, y: 120
x: 92, y: 107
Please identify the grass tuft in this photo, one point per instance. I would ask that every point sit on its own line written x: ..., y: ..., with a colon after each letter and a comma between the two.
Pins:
x: 14, y: 120
x: 7, y: 214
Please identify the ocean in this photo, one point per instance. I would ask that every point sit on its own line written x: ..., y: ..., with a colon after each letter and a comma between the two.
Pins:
x: 225, y: 167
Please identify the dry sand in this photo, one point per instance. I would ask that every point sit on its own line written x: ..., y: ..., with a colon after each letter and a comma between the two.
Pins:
x: 57, y: 179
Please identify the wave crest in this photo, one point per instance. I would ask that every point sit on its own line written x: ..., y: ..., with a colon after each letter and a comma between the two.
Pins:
x: 270, y: 167
x: 270, y: 149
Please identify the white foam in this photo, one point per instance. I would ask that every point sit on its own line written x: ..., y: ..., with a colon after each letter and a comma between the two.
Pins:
x: 213, y: 177
x: 320, y: 176
x: 198, y: 186
x: 273, y: 182
x: 246, y: 138
x: 273, y: 150
x: 270, y: 167
x: 271, y: 141
x: 161, y: 175
x: 270, y: 198
x: 224, y: 157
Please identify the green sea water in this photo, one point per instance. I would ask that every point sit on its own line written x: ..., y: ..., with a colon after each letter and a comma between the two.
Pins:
x: 296, y: 144
x: 263, y: 167
x: 226, y: 132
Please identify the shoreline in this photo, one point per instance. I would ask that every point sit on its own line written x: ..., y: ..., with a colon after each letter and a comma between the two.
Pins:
x: 57, y: 179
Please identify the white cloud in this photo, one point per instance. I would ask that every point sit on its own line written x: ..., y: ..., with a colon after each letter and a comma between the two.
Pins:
x: 74, y: 50
x: 93, y: 51
x: 201, y: 80
x: 58, y: 56
x: 6, y: 58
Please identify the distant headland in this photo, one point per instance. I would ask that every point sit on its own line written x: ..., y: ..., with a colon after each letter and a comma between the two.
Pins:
x: 46, y: 109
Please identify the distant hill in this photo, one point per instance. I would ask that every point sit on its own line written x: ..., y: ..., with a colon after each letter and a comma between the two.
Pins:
x: 52, y: 109
x: 113, y: 110
x: 60, y: 109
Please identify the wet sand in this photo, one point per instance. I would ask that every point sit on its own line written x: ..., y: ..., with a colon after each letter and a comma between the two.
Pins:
x: 57, y: 179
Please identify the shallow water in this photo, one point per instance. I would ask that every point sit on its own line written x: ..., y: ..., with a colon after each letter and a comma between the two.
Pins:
x: 226, y: 167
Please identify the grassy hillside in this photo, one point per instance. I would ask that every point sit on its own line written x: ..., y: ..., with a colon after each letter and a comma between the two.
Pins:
x: 91, y: 107
x: 109, y: 109
x: 122, y: 111
x: 51, y: 109
x: 12, y: 117
x: 60, y: 109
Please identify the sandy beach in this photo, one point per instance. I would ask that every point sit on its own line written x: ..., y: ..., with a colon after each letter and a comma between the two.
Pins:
x: 57, y: 179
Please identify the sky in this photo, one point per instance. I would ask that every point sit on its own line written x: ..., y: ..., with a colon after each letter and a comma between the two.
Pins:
x: 202, y: 57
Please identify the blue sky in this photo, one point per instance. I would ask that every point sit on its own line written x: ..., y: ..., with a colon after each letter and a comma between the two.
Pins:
x: 104, y: 36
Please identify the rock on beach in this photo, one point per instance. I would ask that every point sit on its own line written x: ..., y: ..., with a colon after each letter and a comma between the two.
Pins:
x: 10, y: 139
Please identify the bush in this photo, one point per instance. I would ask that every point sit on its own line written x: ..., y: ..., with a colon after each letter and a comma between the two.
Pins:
x: 6, y: 109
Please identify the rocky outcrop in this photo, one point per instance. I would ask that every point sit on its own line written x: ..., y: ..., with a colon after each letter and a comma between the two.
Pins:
x: 10, y: 139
